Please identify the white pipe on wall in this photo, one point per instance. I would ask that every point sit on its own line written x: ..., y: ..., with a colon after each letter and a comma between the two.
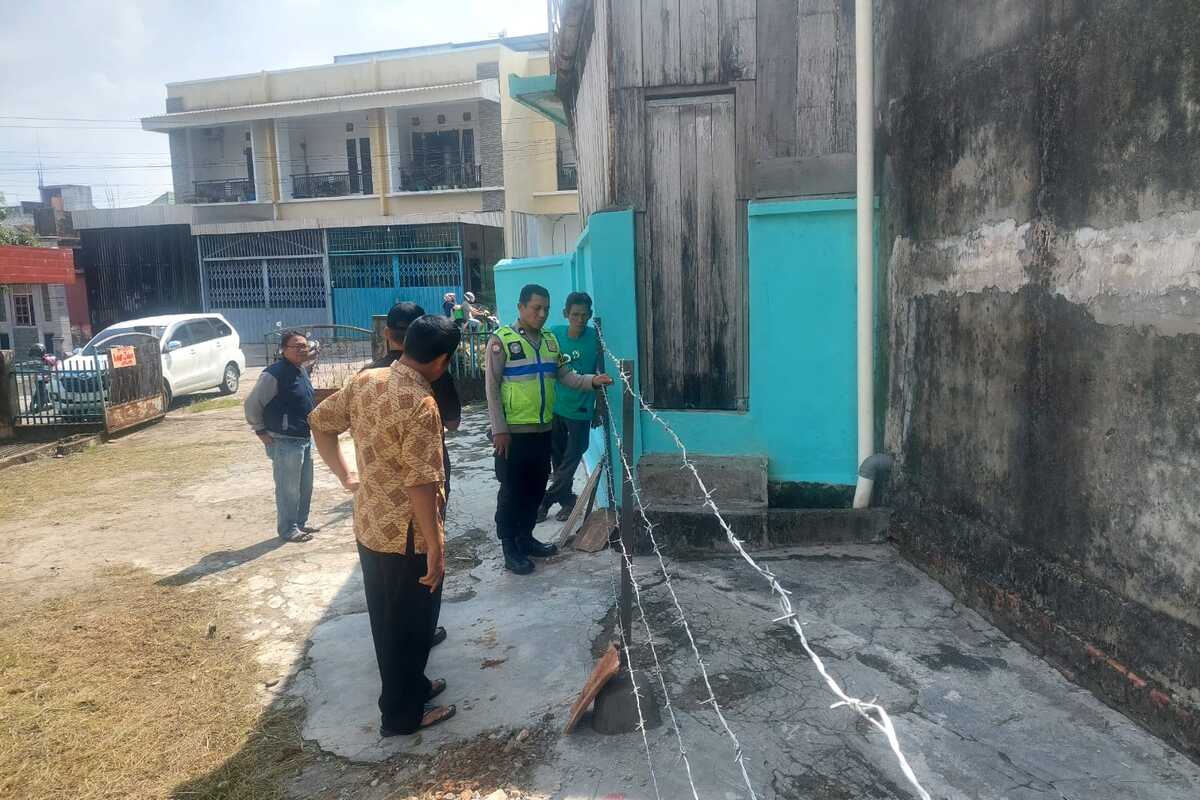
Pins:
x: 864, y: 101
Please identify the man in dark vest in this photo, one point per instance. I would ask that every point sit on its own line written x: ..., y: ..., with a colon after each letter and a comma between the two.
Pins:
x: 277, y: 410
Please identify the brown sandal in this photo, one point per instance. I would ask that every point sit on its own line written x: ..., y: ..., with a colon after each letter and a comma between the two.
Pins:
x: 435, y: 715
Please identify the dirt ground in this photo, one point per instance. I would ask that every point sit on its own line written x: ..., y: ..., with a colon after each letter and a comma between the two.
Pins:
x: 149, y: 562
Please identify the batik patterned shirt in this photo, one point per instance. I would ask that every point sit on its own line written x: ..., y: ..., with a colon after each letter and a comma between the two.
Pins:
x: 397, y: 431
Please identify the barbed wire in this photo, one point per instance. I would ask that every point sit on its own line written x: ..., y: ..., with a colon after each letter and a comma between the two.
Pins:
x: 637, y: 697
x: 658, y: 670
x: 871, y: 711
x: 682, y: 621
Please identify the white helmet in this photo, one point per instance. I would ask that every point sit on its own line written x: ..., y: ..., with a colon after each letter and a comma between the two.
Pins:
x: 470, y: 296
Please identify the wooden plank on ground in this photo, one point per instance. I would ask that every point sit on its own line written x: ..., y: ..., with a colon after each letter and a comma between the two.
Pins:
x: 596, y: 529
x: 582, y: 505
x: 604, y: 671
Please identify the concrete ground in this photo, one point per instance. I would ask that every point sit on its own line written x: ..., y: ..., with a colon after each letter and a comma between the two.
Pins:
x: 978, y: 716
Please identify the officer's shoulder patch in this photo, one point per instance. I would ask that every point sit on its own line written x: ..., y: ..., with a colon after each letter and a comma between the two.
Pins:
x: 495, y: 347
x: 551, y: 344
x: 514, y: 348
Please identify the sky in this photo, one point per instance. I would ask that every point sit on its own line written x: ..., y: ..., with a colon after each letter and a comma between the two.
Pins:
x: 75, y: 77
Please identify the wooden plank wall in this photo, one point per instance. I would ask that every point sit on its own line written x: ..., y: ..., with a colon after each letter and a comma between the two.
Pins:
x: 789, y: 67
x: 695, y: 292
x: 592, y: 122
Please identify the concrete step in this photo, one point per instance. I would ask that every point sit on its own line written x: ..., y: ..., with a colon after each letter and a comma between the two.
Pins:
x: 731, y: 479
x: 694, y: 530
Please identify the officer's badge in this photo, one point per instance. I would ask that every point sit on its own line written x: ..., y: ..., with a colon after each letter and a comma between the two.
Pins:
x: 552, y: 345
x: 515, y: 350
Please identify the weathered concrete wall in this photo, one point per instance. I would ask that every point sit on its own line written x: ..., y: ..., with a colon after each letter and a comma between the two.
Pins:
x: 1042, y: 182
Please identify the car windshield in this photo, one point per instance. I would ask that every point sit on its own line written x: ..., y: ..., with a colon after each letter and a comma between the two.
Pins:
x: 110, y: 337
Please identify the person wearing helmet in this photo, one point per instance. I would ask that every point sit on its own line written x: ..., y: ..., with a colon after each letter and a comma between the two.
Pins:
x: 448, y: 304
x: 473, y: 315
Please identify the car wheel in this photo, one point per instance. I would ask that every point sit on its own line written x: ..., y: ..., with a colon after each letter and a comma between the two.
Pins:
x: 167, y: 396
x: 231, y: 380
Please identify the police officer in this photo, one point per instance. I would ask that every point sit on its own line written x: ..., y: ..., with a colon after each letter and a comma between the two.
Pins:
x: 524, y: 365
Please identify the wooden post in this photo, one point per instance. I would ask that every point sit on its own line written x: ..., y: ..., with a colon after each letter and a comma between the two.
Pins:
x: 608, y: 454
x: 627, y: 513
x: 618, y: 710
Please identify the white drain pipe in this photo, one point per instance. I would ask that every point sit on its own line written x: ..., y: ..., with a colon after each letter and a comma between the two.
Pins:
x: 864, y: 101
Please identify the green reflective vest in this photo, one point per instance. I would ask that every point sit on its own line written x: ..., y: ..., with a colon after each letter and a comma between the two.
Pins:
x: 530, y: 377
x: 459, y: 312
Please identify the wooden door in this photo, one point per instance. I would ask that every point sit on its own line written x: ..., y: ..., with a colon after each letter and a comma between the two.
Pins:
x: 694, y: 291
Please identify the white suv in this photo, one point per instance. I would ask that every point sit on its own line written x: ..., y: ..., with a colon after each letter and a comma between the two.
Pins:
x: 199, y: 352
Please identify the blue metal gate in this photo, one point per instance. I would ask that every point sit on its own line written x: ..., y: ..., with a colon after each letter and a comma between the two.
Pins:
x: 372, y: 269
x: 263, y: 282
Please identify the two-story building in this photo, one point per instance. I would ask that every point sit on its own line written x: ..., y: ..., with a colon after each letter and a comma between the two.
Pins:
x: 325, y: 194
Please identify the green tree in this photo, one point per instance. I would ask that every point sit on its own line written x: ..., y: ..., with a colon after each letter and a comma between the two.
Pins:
x: 12, y: 235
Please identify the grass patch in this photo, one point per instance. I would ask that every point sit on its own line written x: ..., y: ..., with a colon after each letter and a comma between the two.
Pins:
x: 119, y: 691
x: 104, y: 478
x: 212, y: 404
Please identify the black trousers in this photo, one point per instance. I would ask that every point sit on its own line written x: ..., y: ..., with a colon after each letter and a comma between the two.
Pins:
x: 522, y: 478
x: 400, y: 609
x: 569, y: 441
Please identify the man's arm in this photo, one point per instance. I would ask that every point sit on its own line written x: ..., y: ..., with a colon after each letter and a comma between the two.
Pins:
x: 264, y: 391
x: 449, y: 405
x: 331, y: 453
x: 424, y: 473
x: 424, y: 499
x: 573, y: 380
x: 494, y: 376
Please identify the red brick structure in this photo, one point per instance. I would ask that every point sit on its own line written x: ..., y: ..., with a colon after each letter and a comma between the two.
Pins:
x: 37, y: 265
x: 33, y: 298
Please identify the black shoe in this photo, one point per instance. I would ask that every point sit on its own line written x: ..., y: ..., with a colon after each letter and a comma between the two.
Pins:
x: 543, y: 514
x: 514, y: 560
x: 310, y: 528
x: 439, y: 636
x: 532, y: 547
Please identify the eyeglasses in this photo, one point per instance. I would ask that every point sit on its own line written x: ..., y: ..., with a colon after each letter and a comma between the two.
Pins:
x: 297, y: 346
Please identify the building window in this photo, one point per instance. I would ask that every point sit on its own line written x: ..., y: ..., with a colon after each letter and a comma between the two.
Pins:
x: 48, y: 314
x: 5, y: 344
x: 23, y: 310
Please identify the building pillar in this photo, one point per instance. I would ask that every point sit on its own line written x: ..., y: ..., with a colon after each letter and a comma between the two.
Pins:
x: 381, y: 165
x: 283, y: 160
x: 265, y: 168
x: 182, y: 170
x: 395, y: 156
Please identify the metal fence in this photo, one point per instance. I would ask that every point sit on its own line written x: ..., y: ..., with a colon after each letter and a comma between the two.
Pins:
x: 115, y: 388
x: 340, y: 352
x: 64, y: 394
x: 470, y: 361
x: 331, y: 184
x: 226, y: 190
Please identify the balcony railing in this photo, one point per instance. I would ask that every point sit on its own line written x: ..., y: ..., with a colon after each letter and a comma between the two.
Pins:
x: 330, y: 184
x: 429, y: 176
x: 568, y: 178
x: 228, y: 190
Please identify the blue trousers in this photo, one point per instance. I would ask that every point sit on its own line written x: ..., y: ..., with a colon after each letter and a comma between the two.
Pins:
x: 293, y: 468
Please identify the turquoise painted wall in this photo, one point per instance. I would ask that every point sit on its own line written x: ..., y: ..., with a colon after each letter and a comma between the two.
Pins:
x: 553, y: 272
x: 802, y: 335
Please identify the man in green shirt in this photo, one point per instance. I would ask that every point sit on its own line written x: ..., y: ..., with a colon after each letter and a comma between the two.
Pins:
x: 574, y: 411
